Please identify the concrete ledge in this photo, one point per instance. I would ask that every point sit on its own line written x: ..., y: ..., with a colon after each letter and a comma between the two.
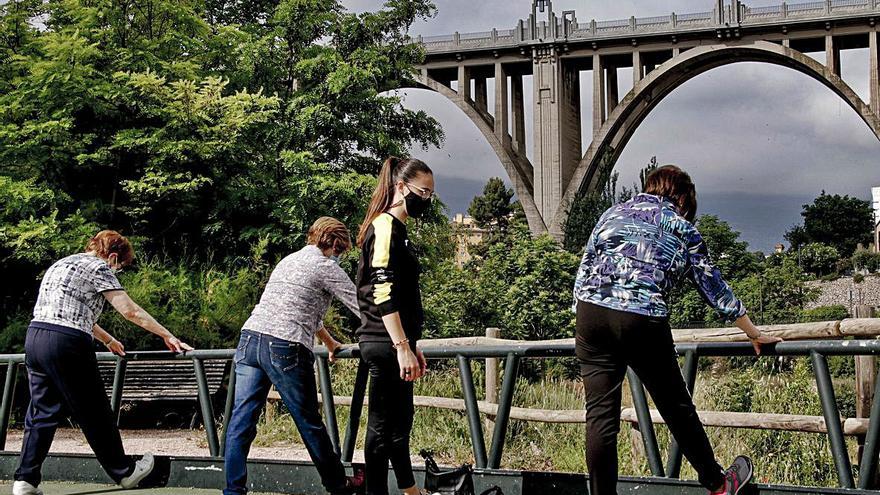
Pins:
x: 302, y: 479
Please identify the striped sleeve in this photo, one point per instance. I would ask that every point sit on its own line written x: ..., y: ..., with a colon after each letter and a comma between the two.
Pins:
x: 382, y: 266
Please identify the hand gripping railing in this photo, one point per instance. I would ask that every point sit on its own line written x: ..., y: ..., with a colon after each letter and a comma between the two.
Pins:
x: 512, y: 353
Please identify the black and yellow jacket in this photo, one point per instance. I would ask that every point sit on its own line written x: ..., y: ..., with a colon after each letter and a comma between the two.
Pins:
x: 388, y: 281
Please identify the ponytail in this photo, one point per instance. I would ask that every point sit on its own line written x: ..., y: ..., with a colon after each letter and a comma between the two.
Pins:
x: 382, y: 196
x: 393, y: 170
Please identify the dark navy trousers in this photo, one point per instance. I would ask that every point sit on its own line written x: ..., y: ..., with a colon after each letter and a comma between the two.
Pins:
x: 64, y: 379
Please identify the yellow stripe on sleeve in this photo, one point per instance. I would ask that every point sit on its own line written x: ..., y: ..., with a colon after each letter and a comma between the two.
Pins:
x: 382, y: 293
x: 382, y: 241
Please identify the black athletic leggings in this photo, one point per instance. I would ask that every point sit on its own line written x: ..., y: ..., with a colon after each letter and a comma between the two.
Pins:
x: 607, y: 342
x: 390, y: 419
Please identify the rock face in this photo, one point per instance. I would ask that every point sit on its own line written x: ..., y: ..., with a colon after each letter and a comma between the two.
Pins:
x: 847, y: 293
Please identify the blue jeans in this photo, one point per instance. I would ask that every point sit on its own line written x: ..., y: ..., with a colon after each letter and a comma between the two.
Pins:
x: 260, y: 361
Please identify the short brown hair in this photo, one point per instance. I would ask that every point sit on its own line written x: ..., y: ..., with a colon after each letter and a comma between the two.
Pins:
x: 107, y: 242
x: 674, y: 184
x: 327, y: 233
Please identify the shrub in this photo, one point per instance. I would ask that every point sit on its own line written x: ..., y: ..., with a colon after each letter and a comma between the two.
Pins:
x: 826, y: 313
x: 866, y: 260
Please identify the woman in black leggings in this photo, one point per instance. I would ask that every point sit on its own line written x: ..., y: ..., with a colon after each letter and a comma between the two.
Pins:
x: 638, y: 251
x: 392, y: 318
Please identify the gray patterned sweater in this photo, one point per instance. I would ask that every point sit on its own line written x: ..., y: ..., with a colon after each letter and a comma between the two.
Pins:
x: 298, y: 294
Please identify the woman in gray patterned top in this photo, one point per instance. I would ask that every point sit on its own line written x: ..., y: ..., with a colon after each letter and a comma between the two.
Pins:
x: 61, y: 364
x: 276, y: 348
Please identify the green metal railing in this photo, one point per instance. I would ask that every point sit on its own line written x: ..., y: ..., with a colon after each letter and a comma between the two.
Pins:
x: 512, y: 353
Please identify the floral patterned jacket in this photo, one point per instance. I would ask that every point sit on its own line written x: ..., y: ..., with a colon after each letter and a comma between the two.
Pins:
x: 639, y: 250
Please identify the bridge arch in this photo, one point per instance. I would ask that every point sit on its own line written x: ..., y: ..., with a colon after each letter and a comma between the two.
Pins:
x: 517, y: 166
x: 622, y: 123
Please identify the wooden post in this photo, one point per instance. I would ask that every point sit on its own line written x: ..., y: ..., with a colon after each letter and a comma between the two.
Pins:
x: 492, y: 378
x: 866, y: 376
x: 274, y: 397
x: 637, y: 443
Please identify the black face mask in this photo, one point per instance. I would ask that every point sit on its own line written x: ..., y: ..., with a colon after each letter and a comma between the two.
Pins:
x: 416, y: 206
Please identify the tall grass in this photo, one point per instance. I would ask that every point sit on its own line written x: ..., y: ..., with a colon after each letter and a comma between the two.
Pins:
x: 767, y: 386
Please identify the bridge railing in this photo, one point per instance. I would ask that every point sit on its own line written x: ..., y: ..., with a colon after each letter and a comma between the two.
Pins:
x: 513, y: 352
x: 598, y: 29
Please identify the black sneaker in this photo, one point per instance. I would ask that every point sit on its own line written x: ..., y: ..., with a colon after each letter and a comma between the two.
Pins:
x: 737, y: 476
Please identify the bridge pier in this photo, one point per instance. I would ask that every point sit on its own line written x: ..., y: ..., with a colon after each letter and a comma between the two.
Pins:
x: 598, y: 94
x: 518, y: 113
x: 832, y: 55
x: 874, y: 73
x: 501, y: 104
x: 557, y: 127
x: 481, y: 94
x: 611, y: 87
x: 464, y: 83
x: 638, y: 68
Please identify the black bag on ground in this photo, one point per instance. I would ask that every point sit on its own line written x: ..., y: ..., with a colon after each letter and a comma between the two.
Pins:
x: 458, y: 481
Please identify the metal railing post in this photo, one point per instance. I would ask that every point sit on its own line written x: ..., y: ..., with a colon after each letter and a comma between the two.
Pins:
x: 505, y: 402
x: 6, y: 403
x: 354, y: 416
x: 868, y: 464
x: 206, y: 408
x: 118, y: 384
x: 473, y: 411
x: 329, y: 404
x: 832, y: 420
x: 227, y: 409
x: 646, y: 425
x: 689, y: 373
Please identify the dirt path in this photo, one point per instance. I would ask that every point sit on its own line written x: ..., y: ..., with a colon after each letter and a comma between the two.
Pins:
x: 164, y: 442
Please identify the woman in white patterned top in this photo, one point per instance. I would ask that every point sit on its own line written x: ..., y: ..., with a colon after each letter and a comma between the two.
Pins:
x: 61, y: 364
x: 276, y: 348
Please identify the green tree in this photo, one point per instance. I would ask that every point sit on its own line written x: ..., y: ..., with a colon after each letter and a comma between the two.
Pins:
x: 645, y: 172
x: 37, y: 226
x: 585, y: 210
x: 202, y: 129
x: 525, y: 286
x: 188, y: 122
x: 776, y: 295
x: 818, y: 259
x: 842, y: 222
x: 866, y: 260
x: 796, y: 237
x: 730, y: 254
x: 492, y: 209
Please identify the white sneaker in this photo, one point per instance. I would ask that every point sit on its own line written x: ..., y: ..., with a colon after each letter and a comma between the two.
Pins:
x: 25, y: 488
x: 142, y: 468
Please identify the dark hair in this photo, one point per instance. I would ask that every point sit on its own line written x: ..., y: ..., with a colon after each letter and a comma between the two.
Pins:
x: 674, y: 184
x: 327, y: 233
x: 393, y: 170
x: 107, y: 242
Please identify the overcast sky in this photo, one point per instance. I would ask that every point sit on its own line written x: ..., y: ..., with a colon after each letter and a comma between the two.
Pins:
x: 759, y: 140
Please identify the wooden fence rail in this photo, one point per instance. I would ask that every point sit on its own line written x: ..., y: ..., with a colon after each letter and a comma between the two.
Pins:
x: 719, y: 419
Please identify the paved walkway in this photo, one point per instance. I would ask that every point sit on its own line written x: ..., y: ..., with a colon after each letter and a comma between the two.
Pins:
x: 52, y: 488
